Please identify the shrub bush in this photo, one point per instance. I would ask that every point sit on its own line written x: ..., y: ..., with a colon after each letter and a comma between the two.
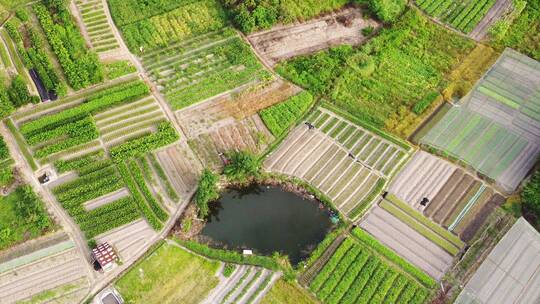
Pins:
x: 531, y: 199
x: 207, y: 191
x: 387, y: 11
x: 241, y: 166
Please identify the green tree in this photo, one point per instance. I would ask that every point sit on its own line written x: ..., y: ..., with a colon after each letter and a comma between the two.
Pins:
x: 531, y: 199
x: 387, y: 10
x: 207, y: 191
x: 241, y: 166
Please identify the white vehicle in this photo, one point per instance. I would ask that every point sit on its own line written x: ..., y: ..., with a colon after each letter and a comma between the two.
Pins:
x: 110, y: 296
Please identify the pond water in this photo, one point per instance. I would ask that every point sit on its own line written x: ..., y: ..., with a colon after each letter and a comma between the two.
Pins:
x: 267, y: 219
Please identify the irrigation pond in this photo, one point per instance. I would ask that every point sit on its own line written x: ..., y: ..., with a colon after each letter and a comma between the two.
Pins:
x: 267, y: 219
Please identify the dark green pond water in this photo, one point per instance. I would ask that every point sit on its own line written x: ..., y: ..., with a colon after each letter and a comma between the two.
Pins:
x: 267, y: 219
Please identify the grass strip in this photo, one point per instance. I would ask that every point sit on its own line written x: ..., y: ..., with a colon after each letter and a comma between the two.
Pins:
x: 22, y: 144
x: 425, y: 221
x: 230, y: 256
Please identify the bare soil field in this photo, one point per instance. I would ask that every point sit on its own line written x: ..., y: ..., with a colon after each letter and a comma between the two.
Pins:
x: 458, y: 201
x: 57, y: 265
x: 224, y: 109
x: 423, y: 176
x: 283, y: 42
x: 249, y: 134
x: 407, y: 242
x: 181, y: 166
x: 129, y: 239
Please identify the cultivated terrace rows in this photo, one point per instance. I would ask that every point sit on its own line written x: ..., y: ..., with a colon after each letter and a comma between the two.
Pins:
x: 53, y: 269
x: 97, y: 25
x: 247, y: 284
x: 496, y: 127
x: 347, y: 163
x: 122, y: 171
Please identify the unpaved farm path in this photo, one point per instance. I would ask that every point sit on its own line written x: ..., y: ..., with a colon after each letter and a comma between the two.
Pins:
x: 494, y: 13
x: 51, y: 204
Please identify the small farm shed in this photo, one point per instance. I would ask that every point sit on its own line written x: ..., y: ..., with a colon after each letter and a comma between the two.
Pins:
x: 510, y: 273
x: 105, y: 256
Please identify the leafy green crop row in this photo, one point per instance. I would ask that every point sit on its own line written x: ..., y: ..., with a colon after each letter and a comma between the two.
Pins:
x: 81, y: 67
x: 78, y: 162
x: 101, y: 101
x: 280, y: 117
x: 90, y: 185
x: 165, y: 135
x: 326, y: 272
x: 66, y: 136
x: 143, y: 188
x: 150, y: 217
x: 355, y: 275
x: 393, y: 257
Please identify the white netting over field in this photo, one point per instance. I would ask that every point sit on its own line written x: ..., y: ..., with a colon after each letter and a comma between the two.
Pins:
x: 496, y: 128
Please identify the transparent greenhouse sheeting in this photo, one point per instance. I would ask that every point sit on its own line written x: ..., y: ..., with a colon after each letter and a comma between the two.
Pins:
x: 496, y: 128
x: 510, y: 273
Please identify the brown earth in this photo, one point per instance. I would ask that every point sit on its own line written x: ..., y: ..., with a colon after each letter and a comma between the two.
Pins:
x: 283, y: 42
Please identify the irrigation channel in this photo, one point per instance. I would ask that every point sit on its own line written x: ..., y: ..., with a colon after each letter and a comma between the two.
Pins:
x: 267, y: 219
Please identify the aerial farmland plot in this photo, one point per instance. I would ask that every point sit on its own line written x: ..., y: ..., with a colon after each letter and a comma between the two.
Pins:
x: 361, y: 270
x: 510, y: 273
x: 230, y: 122
x: 49, y: 268
x: 471, y: 17
x: 96, y: 24
x: 247, y: 284
x: 283, y: 42
x: 495, y: 129
x: 457, y: 200
x: 95, y: 143
x: 348, y: 163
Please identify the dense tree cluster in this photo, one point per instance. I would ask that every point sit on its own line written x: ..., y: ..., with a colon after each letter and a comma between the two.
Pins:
x: 255, y: 15
x: 81, y: 66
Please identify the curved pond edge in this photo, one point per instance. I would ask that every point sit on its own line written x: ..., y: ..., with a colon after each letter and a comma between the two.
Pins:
x: 275, y: 261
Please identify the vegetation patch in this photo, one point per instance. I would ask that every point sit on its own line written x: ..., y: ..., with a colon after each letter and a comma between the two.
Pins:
x: 81, y: 66
x: 22, y: 217
x: 169, y: 273
x: 284, y: 292
x: 410, y: 58
x: 255, y: 15
x: 356, y: 274
x: 279, y: 118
